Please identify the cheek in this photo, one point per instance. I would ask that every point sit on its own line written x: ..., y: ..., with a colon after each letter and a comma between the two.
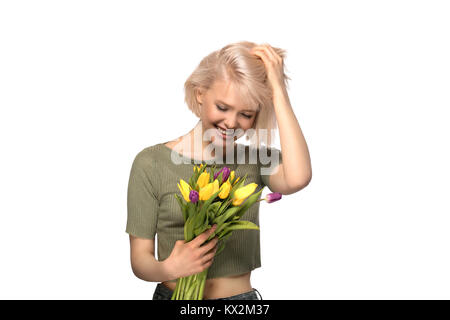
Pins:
x: 213, y: 115
x: 206, y: 114
x: 248, y: 123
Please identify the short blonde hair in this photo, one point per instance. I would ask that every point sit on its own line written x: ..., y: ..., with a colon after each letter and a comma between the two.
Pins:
x: 235, y: 63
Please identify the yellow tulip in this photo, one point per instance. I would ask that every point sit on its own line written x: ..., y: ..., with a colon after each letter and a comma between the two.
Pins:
x: 231, y: 177
x: 185, y: 189
x: 242, y: 193
x: 226, y: 187
x: 215, y: 186
x: 236, y: 180
x: 203, y: 180
x: 207, y: 191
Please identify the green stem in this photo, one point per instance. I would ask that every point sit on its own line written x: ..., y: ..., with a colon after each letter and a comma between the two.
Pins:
x: 190, y: 287
x: 181, y: 288
x: 202, y: 284
x: 195, y: 284
x: 201, y: 288
x: 185, y: 287
x: 196, y: 290
x: 175, y: 292
x: 187, y: 290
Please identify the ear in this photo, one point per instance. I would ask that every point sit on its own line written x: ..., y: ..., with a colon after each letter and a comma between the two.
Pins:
x: 199, y: 95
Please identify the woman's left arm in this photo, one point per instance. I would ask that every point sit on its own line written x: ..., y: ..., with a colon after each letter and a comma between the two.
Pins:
x: 296, y: 172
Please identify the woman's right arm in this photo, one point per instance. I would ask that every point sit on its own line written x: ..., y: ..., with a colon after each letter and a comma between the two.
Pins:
x: 185, y: 259
x: 143, y: 261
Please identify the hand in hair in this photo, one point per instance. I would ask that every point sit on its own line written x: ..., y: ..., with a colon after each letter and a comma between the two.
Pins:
x: 273, y: 63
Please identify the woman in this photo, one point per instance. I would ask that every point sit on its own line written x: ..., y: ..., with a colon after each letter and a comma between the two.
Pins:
x: 238, y: 89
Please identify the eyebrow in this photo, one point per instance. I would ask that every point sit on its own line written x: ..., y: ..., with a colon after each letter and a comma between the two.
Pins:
x: 227, y: 105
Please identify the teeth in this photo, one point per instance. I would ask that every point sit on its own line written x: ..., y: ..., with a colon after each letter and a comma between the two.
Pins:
x: 223, y: 131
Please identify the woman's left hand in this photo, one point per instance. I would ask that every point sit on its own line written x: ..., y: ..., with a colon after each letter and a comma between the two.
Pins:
x: 273, y: 63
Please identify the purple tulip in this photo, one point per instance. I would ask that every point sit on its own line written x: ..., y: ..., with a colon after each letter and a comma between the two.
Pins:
x: 225, y: 174
x: 272, y: 197
x: 193, y: 196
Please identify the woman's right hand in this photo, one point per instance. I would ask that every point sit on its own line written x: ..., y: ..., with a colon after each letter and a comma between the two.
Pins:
x: 191, y: 257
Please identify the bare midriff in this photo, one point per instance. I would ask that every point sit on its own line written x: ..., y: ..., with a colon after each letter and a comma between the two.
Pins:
x: 217, y: 288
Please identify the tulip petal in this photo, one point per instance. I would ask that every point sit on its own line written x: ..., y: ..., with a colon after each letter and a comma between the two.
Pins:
x: 272, y: 197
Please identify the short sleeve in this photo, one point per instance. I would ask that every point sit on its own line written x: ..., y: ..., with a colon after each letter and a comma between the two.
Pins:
x: 269, y: 159
x: 142, y: 198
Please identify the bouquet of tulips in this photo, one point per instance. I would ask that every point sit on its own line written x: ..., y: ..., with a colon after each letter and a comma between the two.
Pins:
x: 213, y: 198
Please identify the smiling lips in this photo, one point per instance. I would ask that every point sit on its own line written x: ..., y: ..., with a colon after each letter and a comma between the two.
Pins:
x: 223, y: 134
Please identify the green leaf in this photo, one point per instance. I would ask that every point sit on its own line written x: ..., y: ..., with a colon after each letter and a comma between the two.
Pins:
x: 188, y: 229
x: 223, y: 207
x: 191, y: 209
x: 249, y: 202
x: 227, y: 215
x: 211, y: 174
x: 199, y: 230
x: 182, y: 206
x: 237, y: 186
x: 225, y: 234
x: 223, y: 238
x: 208, y: 202
x: 221, y: 227
x: 239, y: 225
x: 199, y: 218
x: 212, y: 210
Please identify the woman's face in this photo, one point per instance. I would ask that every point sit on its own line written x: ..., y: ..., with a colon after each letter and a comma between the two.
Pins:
x: 223, y: 108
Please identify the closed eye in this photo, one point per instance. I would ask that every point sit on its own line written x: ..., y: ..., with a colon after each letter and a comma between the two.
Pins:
x: 224, y: 109
x: 221, y: 109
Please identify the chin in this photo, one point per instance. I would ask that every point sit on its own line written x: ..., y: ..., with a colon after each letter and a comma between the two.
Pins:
x: 223, y: 143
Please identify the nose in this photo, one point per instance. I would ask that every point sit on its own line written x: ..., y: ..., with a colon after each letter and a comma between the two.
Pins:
x: 230, y: 122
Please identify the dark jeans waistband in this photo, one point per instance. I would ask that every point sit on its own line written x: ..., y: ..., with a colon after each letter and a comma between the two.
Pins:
x: 164, y: 293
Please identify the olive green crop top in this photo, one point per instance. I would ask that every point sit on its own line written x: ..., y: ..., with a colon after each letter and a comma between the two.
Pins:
x: 153, y: 210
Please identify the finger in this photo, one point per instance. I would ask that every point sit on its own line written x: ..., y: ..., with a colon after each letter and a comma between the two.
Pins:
x: 209, y: 257
x: 265, y: 48
x: 256, y: 49
x: 269, y: 51
x: 253, y: 49
x: 275, y: 55
x: 200, y: 239
x: 208, y: 264
x: 262, y: 54
x: 209, y: 246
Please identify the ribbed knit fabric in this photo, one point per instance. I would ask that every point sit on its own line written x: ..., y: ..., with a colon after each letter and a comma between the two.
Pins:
x: 153, y: 209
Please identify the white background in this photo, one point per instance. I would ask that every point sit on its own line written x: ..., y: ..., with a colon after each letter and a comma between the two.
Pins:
x: 86, y: 85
